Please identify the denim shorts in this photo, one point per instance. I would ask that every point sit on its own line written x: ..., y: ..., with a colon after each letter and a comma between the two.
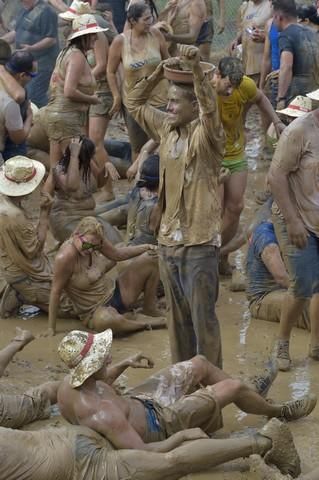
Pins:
x: 302, y: 264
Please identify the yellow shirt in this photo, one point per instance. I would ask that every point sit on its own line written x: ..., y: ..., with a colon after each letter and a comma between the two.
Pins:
x: 231, y: 110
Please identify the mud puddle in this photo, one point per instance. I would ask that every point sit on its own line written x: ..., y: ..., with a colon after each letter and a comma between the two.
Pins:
x: 247, y: 344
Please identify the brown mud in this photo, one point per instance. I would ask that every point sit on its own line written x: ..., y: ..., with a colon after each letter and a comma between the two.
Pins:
x: 247, y: 344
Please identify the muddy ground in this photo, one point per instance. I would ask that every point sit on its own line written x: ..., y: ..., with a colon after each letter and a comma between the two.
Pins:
x: 247, y: 343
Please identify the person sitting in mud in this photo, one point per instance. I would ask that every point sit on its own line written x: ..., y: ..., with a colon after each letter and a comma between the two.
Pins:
x: 166, y: 403
x: 139, y: 212
x: 74, y: 180
x: 267, y: 277
x: 82, y: 268
x: 142, y: 218
x: 23, y: 263
x: 19, y: 410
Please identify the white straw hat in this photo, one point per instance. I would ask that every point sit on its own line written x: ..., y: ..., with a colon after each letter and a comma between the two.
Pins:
x: 20, y: 176
x: 75, y: 9
x: 314, y: 95
x: 298, y: 107
x: 84, y: 25
x: 84, y: 353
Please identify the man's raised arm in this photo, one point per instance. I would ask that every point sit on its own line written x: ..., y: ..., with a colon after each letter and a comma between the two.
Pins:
x: 149, y: 118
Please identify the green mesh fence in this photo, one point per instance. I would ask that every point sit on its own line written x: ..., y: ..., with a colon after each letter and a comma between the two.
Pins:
x: 222, y: 41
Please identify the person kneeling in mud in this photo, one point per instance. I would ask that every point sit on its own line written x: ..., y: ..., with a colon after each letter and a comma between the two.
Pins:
x: 267, y: 277
x: 148, y: 416
x: 82, y: 268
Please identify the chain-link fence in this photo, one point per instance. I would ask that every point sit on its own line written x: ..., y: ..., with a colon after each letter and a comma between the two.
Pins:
x: 222, y: 41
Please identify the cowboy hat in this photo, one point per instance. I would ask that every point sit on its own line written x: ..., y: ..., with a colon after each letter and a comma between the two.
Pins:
x: 85, y: 25
x: 20, y: 176
x: 84, y: 353
x: 298, y: 107
x: 75, y: 9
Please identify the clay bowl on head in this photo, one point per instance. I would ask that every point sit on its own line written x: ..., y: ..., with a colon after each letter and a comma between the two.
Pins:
x: 186, y: 76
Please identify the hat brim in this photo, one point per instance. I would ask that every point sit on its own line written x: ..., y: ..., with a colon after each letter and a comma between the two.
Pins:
x: 313, y: 95
x: 14, y: 189
x: 87, y: 32
x: 94, y: 360
x: 68, y: 16
x: 292, y: 113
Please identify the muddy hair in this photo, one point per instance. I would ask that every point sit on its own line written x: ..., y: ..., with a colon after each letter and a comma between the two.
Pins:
x: 187, y: 91
x: 89, y: 226
x: 232, y: 68
x: 287, y: 8
x: 86, y: 154
x: 135, y: 11
x: 79, y: 42
x: 308, y: 12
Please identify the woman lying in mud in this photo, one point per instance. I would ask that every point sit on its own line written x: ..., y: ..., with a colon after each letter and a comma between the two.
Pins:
x: 82, y: 268
x: 74, y: 180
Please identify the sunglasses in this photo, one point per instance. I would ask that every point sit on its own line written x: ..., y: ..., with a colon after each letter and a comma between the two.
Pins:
x: 88, y: 245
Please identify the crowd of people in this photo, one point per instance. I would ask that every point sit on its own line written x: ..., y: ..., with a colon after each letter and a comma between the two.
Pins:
x: 73, y: 248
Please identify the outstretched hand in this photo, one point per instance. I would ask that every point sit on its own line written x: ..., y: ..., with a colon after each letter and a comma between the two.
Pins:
x: 140, y: 361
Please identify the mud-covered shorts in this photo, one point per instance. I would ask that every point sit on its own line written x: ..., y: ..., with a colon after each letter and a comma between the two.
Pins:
x: 178, y: 403
x: 64, y: 125
x: 105, y: 96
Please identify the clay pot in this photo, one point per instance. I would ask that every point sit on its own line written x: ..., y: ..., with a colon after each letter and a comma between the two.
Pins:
x: 186, y: 76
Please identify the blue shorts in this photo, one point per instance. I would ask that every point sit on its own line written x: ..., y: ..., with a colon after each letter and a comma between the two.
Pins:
x: 302, y: 264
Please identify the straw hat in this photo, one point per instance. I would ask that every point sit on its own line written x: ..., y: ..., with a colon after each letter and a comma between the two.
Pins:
x: 75, y: 9
x: 84, y: 353
x: 84, y: 25
x: 298, y: 107
x: 20, y: 176
x: 314, y: 95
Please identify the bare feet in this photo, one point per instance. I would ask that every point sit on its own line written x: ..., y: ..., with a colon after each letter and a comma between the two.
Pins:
x: 23, y: 337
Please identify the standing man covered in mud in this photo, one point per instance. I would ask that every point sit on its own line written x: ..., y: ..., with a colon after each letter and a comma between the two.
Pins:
x: 191, y: 149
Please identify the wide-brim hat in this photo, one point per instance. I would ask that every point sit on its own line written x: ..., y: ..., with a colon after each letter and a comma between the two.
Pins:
x: 297, y: 108
x: 84, y: 353
x: 314, y: 95
x: 85, y: 25
x: 20, y: 176
x: 75, y: 9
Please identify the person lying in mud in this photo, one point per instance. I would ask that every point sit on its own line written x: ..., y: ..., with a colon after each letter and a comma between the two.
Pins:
x: 23, y: 263
x: 81, y: 269
x: 74, y: 180
x: 166, y: 403
x: 79, y: 452
x: 267, y: 277
x: 19, y: 410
